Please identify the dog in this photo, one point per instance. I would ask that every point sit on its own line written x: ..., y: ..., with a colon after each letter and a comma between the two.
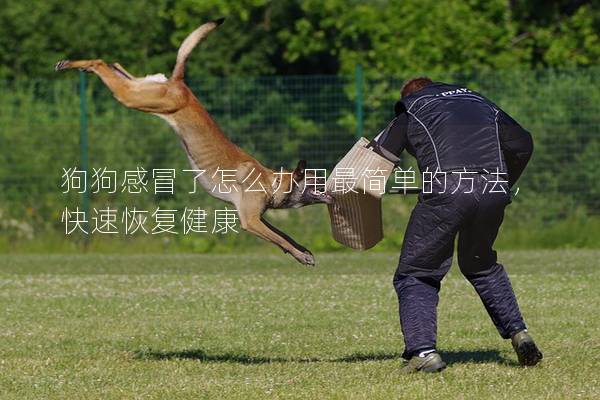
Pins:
x: 207, y: 147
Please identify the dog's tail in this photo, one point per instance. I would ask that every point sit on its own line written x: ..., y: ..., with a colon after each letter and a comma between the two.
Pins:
x: 188, y: 45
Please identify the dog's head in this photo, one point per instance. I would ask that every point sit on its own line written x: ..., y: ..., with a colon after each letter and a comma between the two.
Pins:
x: 303, y: 189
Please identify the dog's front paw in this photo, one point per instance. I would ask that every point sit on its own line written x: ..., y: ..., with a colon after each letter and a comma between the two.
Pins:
x: 306, y: 258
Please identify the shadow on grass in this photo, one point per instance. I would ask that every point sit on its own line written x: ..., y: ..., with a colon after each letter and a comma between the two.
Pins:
x: 451, y: 357
x: 201, y: 355
x: 475, y: 356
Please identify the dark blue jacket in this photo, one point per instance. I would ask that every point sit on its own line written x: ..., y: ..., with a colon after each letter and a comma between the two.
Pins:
x: 450, y: 128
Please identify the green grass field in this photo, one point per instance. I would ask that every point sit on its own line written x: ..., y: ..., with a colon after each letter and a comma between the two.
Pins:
x: 262, y: 326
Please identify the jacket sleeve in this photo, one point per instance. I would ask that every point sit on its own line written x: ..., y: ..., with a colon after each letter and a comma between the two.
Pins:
x: 516, y: 144
x: 393, y: 139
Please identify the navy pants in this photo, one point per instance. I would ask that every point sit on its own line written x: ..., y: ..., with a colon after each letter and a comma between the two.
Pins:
x: 427, y: 255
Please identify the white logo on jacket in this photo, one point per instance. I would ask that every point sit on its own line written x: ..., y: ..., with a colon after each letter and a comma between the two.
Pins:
x: 456, y: 91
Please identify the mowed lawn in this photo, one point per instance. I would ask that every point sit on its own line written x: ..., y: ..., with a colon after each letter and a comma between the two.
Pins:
x: 262, y: 326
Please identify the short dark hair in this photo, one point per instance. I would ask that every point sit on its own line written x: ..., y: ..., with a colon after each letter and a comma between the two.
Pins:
x: 414, y: 84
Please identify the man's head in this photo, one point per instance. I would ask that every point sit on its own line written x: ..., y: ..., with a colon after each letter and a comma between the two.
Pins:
x: 414, y: 84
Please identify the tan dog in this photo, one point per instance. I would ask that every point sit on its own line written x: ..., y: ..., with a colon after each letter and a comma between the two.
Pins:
x: 208, y: 149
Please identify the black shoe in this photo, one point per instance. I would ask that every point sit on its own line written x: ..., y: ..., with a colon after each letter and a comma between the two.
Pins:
x: 432, y: 362
x: 527, y: 352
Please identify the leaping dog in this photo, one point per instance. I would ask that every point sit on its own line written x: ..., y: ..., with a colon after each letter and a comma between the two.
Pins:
x: 208, y: 149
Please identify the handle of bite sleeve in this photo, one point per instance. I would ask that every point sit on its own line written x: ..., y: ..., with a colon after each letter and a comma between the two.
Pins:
x: 405, y: 191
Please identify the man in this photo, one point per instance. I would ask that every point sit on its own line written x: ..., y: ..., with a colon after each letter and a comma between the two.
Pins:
x: 474, y: 153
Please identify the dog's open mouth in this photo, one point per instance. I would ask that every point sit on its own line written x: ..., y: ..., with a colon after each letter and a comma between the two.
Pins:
x: 316, y: 196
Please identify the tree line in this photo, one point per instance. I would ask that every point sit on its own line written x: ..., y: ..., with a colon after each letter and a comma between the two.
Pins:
x: 282, y: 37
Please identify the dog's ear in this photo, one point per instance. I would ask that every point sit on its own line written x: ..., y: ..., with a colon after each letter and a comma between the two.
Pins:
x: 299, y: 171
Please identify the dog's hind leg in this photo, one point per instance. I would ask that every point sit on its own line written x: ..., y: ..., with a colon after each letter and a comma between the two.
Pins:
x: 119, y: 68
x: 93, y: 66
x: 142, y: 95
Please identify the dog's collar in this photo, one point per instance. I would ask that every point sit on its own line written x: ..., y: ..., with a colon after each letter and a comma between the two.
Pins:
x: 274, y: 187
x: 275, y: 184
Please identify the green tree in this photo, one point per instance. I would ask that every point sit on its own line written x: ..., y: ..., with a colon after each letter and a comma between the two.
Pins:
x: 36, y: 34
x: 261, y: 37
